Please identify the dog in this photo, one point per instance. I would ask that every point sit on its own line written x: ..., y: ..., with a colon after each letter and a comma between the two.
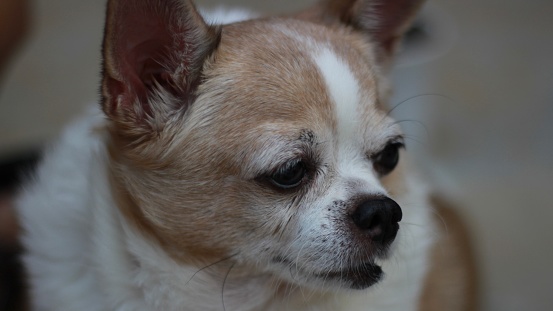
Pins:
x: 241, y: 164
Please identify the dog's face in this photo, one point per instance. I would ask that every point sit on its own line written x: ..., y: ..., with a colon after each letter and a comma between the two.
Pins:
x: 264, y: 143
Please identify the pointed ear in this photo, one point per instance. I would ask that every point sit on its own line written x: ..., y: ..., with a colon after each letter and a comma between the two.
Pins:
x: 153, y: 54
x: 384, y: 21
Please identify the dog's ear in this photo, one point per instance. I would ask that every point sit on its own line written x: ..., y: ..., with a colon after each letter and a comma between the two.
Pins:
x: 384, y: 21
x: 153, y: 53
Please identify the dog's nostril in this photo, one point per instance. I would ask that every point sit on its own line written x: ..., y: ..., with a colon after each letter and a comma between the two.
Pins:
x: 378, y: 217
x: 374, y: 221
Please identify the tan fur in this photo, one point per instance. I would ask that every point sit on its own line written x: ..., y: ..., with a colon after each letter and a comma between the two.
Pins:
x: 451, y: 283
x: 243, y: 92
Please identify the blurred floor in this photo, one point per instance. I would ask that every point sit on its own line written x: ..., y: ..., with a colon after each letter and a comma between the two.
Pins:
x: 486, y: 141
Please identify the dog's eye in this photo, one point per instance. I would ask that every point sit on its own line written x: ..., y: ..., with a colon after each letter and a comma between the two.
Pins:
x: 386, y: 160
x: 290, y: 175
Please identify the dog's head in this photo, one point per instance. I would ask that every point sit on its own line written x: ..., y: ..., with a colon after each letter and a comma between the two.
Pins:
x: 265, y: 142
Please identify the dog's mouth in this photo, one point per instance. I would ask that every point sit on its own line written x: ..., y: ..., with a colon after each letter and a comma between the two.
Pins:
x: 358, y: 277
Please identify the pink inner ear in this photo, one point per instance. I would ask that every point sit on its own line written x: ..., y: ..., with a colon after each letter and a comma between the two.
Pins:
x: 149, y: 42
x: 142, y: 42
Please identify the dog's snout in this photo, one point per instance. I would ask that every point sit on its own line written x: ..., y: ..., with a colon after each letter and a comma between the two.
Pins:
x: 378, y: 218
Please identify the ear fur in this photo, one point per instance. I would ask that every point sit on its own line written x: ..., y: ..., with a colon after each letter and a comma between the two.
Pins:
x: 384, y: 21
x: 153, y: 53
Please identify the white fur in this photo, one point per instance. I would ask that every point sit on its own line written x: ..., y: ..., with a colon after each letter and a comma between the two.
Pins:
x: 346, y: 96
x: 222, y: 15
x: 344, y: 90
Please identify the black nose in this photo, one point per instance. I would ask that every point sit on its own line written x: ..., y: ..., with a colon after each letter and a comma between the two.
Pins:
x: 378, y: 218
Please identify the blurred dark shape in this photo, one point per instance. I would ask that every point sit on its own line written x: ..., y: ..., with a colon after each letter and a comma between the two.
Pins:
x: 13, y: 171
x: 14, y: 26
x: 416, y: 35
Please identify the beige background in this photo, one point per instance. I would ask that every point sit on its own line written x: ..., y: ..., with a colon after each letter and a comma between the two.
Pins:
x: 486, y: 141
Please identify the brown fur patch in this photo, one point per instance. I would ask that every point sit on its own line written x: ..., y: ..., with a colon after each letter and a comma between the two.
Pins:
x: 451, y: 283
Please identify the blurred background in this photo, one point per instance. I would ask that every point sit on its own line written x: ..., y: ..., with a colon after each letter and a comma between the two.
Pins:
x: 474, y: 86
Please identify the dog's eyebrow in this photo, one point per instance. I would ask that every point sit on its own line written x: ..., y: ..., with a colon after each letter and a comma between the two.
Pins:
x: 307, y: 136
x: 399, y: 138
x: 281, y: 146
x: 273, y: 148
x: 282, y: 137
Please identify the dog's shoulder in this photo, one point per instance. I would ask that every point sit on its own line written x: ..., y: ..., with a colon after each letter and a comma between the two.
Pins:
x: 451, y: 281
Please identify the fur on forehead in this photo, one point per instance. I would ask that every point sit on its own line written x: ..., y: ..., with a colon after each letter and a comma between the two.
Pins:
x: 269, y: 65
x: 272, y: 64
x: 278, y: 49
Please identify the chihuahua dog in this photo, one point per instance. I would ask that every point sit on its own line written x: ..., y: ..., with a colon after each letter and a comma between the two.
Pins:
x: 238, y: 164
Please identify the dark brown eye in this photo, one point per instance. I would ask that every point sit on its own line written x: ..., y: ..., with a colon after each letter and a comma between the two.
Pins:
x: 386, y: 160
x: 290, y: 175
